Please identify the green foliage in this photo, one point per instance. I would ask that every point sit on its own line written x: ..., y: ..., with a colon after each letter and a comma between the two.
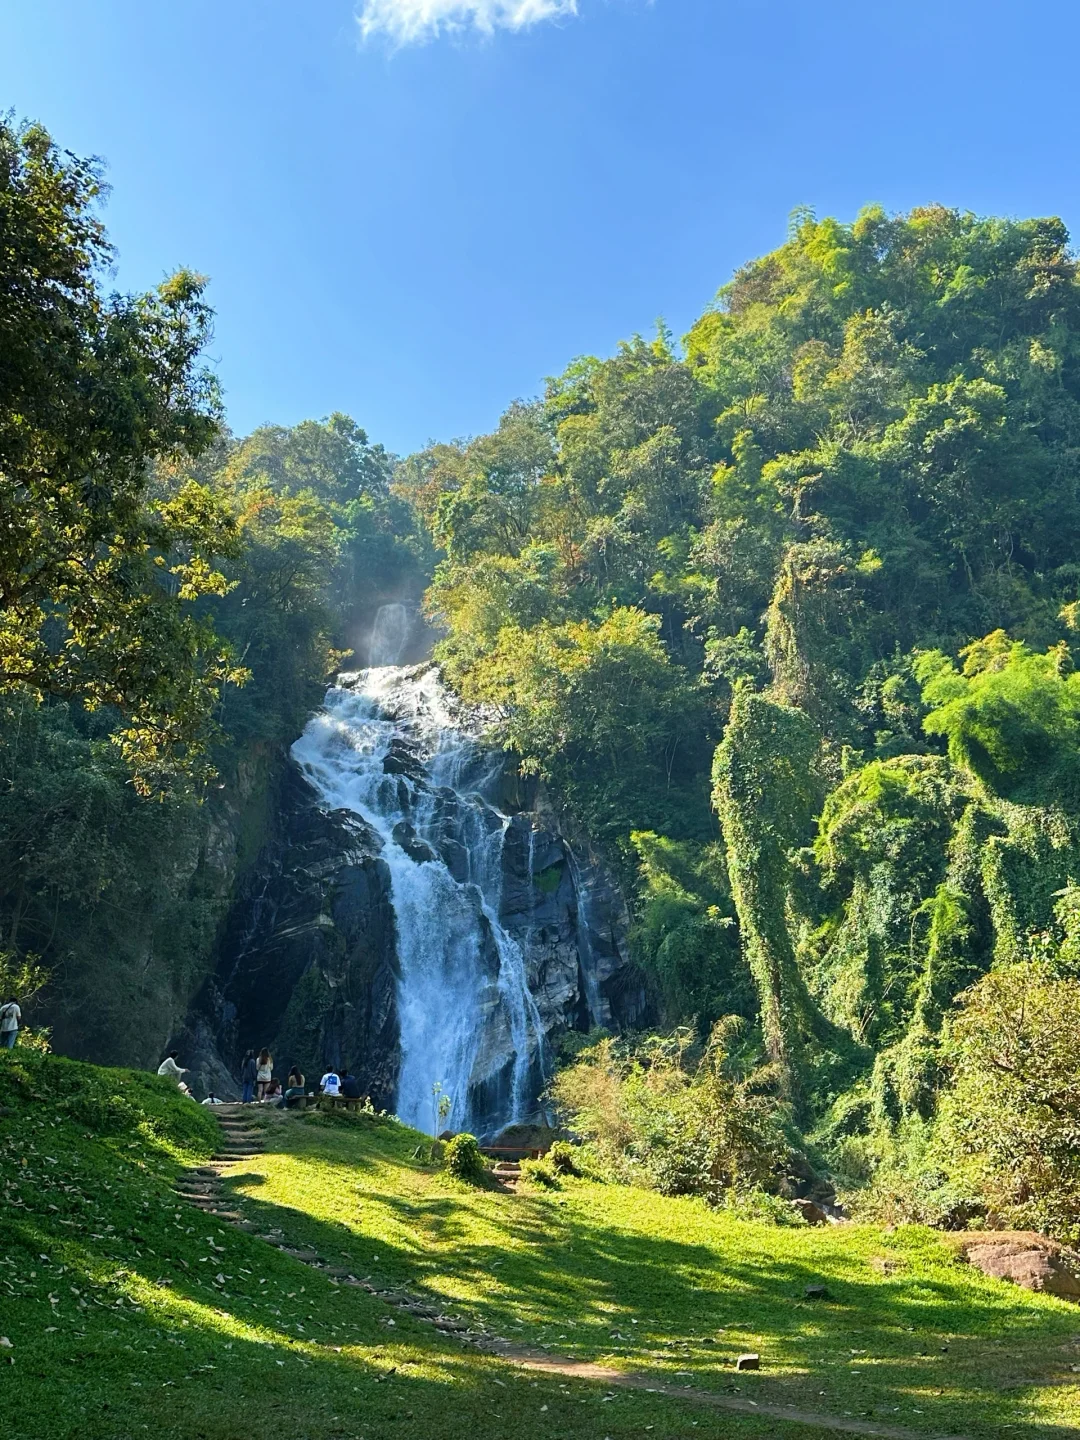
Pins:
x: 541, y: 1172
x: 766, y: 786
x: 1011, y: 717
x: 149, y: 564
x: 683, y: 1119
x: 1010, y: 1127
x: 462, y: 1158
x: 98, y: 568
x: 861, y: 460
x: 563, y: 1158
x: 685, y: 935
x: 882, y: 865
x: 602, y: 711
x: 96, y: 881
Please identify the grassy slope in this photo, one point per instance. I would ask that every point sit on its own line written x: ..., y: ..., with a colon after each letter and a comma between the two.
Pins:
x: 131, y: 1313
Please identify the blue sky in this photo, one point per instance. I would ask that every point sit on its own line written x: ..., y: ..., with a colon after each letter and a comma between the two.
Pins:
x: 418, y: 226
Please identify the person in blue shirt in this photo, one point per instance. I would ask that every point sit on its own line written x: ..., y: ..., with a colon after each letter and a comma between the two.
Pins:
x: 350, y: 1086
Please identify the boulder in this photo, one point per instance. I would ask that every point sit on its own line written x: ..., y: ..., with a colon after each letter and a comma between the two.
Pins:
x: 419, y: 850
x: 811, y: 1212
x: 1036, y: 1263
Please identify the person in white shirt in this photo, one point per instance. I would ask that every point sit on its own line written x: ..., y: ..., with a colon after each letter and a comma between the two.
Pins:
x: 10, y: 1020
x: 330, y: 1084
x: 170, y: 1068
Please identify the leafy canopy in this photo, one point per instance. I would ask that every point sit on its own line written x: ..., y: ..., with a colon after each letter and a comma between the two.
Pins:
x: 98, y: 564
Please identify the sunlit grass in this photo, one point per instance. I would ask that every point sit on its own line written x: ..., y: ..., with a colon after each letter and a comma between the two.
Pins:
x: 129, y: 1312
x: 632, y: 1279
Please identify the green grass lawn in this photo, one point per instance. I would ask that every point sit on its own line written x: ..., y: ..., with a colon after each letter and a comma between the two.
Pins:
x: 129, y: 1312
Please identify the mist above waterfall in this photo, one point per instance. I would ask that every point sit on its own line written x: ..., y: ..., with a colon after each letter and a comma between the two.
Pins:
x: 389, y: 746
x: 389, y: 635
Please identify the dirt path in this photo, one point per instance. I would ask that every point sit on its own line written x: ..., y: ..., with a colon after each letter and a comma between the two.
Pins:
x: 202, y: 1187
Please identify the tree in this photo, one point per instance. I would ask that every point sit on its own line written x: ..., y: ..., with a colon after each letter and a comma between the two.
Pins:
x: 1010, y: 716
x: 766, y: 789
x: 98, y: 565
x: 1011, y: 1123
x: 602, y: 710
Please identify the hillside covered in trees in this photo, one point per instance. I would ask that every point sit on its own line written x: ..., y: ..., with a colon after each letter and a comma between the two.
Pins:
x: 782, y: 615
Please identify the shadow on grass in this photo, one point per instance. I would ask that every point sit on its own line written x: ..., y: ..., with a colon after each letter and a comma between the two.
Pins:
x: 932, y: 1348
x: 153, y: 1348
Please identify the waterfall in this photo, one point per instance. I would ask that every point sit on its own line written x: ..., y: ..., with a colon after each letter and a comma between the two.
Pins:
x: 389, y: 747
x: 389, y: 635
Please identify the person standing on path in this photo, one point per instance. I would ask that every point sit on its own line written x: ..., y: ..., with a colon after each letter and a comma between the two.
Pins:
x: 264, y: 1072
x: 10, y: 1020
x: 248, y: 1072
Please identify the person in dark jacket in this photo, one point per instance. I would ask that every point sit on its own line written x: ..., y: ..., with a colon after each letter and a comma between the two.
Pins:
x: 248, y: 1072
x: 350, y: 1086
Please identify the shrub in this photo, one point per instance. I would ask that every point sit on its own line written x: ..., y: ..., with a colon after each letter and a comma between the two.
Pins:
x: 759, y: 1204
x: 1011, y: 1120
x: 681, y: 1118
x: 540, y: 1172
x: 462, y: 1158
x: 563, y: 1158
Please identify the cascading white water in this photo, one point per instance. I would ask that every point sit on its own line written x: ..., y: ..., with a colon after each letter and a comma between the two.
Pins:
x: 388, y: 747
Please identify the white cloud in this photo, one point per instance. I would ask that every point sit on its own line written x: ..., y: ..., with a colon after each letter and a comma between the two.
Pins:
x: 407, y: 22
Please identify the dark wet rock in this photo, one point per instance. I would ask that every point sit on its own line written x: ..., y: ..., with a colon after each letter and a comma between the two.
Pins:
x: 401, y: 759
x: 416, y: 849
x: 308, y: 962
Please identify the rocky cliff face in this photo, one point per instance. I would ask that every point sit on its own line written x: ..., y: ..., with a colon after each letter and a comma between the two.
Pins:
x: 307, y: 957
x: 311, y: 955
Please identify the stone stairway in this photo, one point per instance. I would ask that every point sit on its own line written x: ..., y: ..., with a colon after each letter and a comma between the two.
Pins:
x: 508, y: 1173
x: 202, y: 1186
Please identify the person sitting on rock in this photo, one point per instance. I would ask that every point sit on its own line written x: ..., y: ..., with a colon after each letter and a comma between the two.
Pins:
x: 170, y: 1068
x: 350, y: 1086
x: 294, y: 1089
